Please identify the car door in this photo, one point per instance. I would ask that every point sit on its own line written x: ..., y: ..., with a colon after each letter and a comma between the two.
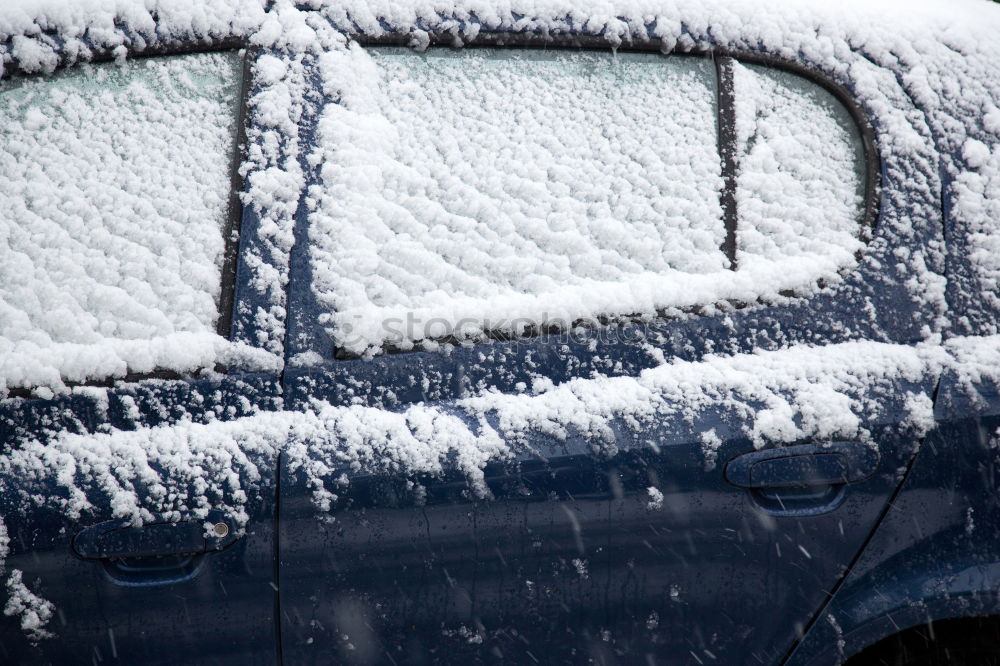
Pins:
x: 125, y: 536
x: 640, y: 556
x: 683, y: 489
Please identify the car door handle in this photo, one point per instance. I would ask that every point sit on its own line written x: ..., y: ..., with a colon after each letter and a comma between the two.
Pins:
x: 803, y: 466
x: 118, y: 539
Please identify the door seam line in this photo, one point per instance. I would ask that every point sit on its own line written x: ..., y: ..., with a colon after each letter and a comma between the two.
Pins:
x: 864, y: 546
x: 276, y: 573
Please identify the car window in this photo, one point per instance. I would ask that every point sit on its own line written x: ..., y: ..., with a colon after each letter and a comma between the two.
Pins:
x: 489, y: 189
x: 800, y: 174
x: 465, y: 193
x: 113, y: 200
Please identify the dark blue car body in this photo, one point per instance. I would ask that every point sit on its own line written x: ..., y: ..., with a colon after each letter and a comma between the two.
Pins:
x: 805, y: 554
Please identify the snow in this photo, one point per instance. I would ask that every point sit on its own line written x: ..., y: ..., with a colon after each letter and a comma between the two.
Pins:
x: 526, y: 205
x: 710, y: 443
x: 4, y: 541
x: 801, y: 174
x: 113, y: 200
x: 977, y: 205
x: 571, y: 186
x: 89, y: 26
x: 274, y: 183
x: 801, y: 393
x: 34, y: 611
x: 655, y: 502
x: 437, y: 277
x: 924, y: 71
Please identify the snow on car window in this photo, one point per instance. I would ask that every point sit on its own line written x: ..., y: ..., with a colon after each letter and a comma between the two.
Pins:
x: 800, y: 175
x: 478, y: 188
x: 113, y: 199
x: 512, y: 191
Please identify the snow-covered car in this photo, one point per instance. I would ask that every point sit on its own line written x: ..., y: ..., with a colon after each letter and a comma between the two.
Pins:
x: 652, y: 331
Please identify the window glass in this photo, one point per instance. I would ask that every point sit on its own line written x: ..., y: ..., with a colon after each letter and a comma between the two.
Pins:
x: 493, y: 189
x: 113, y: 197
x: 801, y: 177
x: 480, y: 191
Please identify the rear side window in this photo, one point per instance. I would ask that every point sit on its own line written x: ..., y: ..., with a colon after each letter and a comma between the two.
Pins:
x: 800, y: 176
x: 482, y: 191
x: 113, y: 199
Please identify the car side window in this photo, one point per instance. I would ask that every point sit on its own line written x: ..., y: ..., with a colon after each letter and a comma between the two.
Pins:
x: 498, y: 190
x: 114, y: 200
x: 801, y: 177
x: 465, y: 194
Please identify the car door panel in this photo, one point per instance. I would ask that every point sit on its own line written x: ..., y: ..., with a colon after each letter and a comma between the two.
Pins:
x: 112, y: 558
x: 645, y: 556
